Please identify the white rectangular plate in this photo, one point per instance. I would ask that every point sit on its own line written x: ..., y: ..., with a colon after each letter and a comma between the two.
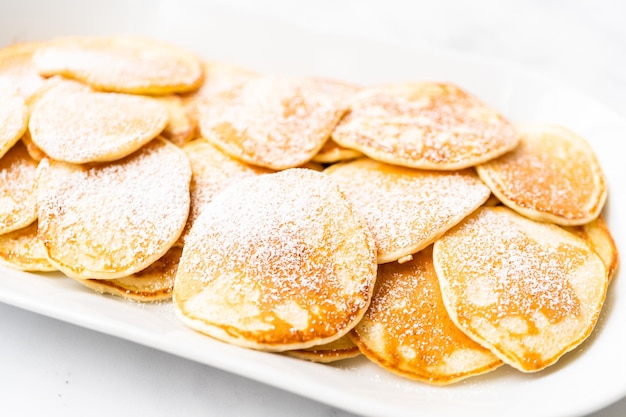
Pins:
x: 583, y: 381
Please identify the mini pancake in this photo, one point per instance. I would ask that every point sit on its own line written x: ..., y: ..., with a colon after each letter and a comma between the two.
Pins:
x: 111, y: 220
x: 272, y: 121
x: 18, y: 74
x: 13, y: 121
x: 22, y: 250
x: 122, y: 64
x: 84, y: 126
x: 424, y: 125
x: 332, y: 152
x: 552, y: 176
x: 529, y: 291
x: 219, y: 77
x: 212, y: 171
x: 18, y: 201
x: 407, y: 209
x: 155, y: 283
x: 407, y: 330
x: 276, y: 262
x: 180, y: 129
x: 340, y: 349
x: 597, y: 234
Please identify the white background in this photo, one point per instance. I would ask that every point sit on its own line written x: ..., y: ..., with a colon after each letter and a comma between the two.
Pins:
x: 50, y: 368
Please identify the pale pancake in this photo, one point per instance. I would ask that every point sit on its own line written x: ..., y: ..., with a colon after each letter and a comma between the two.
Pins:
x: 407, y: 330
x: 18, y: 201
x: 155, y: 283
x: 219, y: 77
x: 13, y: 120
x: 18, y: 74
x: 113, y: 219
x: 272, y: 121
x: 552, y: 176
x: 22, y: 250
x: 424, y: 125
x: 276, y: 262
x: 528, y: 291
x: 332, y: 152
x: 122, y: 64
x: 597, y: 234
x: 212, y: 171
x: 340, y: 349
x: 84, y: 126
x: 407, y: 209
x: 180, y: 128
x: 33, y: 150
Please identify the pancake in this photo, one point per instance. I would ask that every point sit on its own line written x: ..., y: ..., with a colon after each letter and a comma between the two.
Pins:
x: 180, y: 128
x: 276, y: 262
x: 407, y: 330
x: 212, y: 171
x: 332, y: 152
x: 272, y: 121
x: 528, y: 291
x: 122, y: 64
x: 597, y: 234
x: 552, y: 176
x: 84, y: 126
x: 155, y: 283
x: 110, y: 220
x: 22, y: 250
x: 425, y: 125
x: 340, y: 349
x: 18, y: 201
x: 18, y: 74
x: 13, y: 120
x: 407, y: 209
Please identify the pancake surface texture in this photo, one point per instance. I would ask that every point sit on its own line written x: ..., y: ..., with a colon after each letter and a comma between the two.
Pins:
x: 407, y: 209
x: 22, y: 250
x: 552, y: 176
x: 122, y: 64
x: 276, y: 262
x: 424, y: 125
x: 529, y: 291
x: 111, y: 220
x: 272, y: 121
x: 85, y: 126
x: 13, y: 121
x: 407, y: 329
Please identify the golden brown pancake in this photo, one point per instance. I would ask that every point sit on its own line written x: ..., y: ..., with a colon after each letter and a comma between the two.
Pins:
x: 212, y: 171
x: 22, y: 250
x: 180, y: 128
x: 332, y: 152
x: 340, y: 349
x: 552, y: 176
x: 424, y: 125
x: 111, y: 220
x: 122, y: 64
x: 272, y: 121
x: 407, y: 330
x: 13, y: 120
x: 407, y: 209
x: 18, y: 203
x: 597, y: 234
x: 529, y: 291
x: 85, y: 126
x: 155, y: 283
x: 276, y: 262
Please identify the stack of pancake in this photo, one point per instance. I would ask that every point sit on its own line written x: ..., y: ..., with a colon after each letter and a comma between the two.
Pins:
x: 408, y: 222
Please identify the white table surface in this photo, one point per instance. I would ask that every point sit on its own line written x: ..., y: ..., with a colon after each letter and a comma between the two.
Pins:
x: 51, y: 368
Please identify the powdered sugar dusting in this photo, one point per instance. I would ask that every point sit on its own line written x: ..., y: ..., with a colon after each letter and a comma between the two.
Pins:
x: 406, y: 209
x: 17, y: 193
x: 425, y: 125
x: 278, y: 237
x: 274, y: 122
x: 116, y: 218
x: 84, y: 126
